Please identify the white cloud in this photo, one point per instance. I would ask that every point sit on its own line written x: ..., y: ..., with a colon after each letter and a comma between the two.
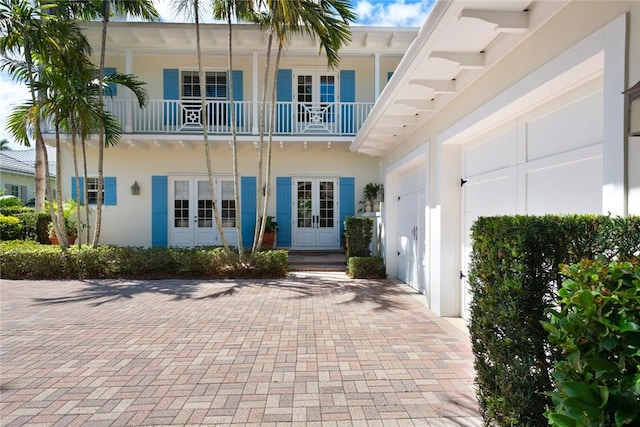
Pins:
x: 11, y: 94
x: 396, y: 13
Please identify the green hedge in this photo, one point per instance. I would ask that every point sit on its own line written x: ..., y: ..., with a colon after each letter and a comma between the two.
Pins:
x: 10, y: 228
x: 358, y: 232
x: 366, y: 268
x: 35, y: 225
x: 598, y: 331
x: 513, y: 279
x: 39, y: 262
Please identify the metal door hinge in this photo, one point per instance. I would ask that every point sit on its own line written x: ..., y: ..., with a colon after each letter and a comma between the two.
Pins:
x: 462, y: 182
x: 462, y: 276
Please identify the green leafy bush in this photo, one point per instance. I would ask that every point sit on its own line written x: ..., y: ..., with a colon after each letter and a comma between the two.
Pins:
x: 39, y: 262
x: 10, y: 201
x: 366, y: 268
x: 10, y: 228
x: 35, y: 225
x: 598, y: 331
x: 513, y: 278
x: 358, y: 232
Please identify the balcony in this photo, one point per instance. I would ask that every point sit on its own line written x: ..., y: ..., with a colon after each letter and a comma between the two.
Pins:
x: 291, y: 118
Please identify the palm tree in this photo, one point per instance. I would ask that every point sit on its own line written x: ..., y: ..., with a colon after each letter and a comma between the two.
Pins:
x: 60, y: 38
x: 326, y: 20
x: 140, y: 8
x: 230, y: 10
x: 22, y: 35
x: 192, y: 9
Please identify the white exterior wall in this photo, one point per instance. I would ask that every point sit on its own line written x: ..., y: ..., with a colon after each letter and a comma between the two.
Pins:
x: 582, y: 42
x: 129, y: 222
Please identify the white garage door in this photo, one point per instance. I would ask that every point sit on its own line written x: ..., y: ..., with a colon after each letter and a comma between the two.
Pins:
x: 548, y: 161
x: 411, y: 222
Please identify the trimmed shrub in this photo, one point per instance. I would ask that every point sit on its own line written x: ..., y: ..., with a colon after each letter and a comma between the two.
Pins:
x: 366, y: 268
x: 44, y: 262
x: 35, y: 225
x: 358, y: 233
x: 10, y: 228
x: 513, y: 277
x: 598, y: 331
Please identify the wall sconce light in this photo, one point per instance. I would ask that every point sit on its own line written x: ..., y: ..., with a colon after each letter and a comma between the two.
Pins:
x: 633, y: 99
x: 380, y: 195
x: 135, y: 189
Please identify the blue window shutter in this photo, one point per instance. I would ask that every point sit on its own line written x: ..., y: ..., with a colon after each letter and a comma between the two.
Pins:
x: 73, y: 189
x: 112, y: 88
x: 171, y: 92
x: 238, y: 94
x: 248, y: 208
x: 110, y: 193
x: 238, y: 89
x: 283, y: 211
x: 347, y: 200
x: 284, y: 93
x: 389, y: 75
x: 159, y: 211
x: 347, y: 95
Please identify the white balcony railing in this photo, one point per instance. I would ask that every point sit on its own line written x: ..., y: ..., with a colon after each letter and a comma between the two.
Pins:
x: 291, y: 118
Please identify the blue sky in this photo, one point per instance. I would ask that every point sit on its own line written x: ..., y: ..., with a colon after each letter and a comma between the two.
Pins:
x: 393, y: 13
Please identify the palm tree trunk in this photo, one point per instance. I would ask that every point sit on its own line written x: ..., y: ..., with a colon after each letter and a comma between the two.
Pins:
x: 58, y: 220
x: 40, y: 166
x: 267, y: 191
x: 103, y: 45
x: 74, y: 145
x: 234, y: 142
x: 260, y: 214
x: 205, y: 129
x: 85, y: 196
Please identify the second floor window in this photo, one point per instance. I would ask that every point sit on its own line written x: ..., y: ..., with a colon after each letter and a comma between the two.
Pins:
x: 216, y: 84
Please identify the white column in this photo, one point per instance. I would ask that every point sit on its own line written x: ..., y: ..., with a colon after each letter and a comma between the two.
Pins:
x: 128, y: 69
x: 254, y: 128
x: 376, y: 76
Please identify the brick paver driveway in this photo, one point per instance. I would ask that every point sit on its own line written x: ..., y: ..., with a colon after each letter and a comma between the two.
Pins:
x: 312, y: 349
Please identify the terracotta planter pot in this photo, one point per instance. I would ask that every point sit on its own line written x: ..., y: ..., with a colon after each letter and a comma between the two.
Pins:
x: 268, y: 240
x: 54, y: 240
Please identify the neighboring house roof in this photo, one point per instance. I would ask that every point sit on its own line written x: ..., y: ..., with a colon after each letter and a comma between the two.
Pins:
x: 24, y: 161
x: 9, y: 164
x: 459, y: 42
x: 29, y: 156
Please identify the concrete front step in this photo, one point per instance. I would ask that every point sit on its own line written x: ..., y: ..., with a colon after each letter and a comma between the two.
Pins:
x: 316, y: 261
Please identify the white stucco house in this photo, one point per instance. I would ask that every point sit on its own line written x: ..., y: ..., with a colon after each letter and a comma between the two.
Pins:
x: 317, y: 181
x: 511, y: 107
x: 492, y: 107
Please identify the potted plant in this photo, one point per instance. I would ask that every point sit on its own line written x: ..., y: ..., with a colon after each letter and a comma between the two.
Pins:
x: 72, y: 232
x: 270, y: 230
x: 68, y: 208
x: 370, y: 202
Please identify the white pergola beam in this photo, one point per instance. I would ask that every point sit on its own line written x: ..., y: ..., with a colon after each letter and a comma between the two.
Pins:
x: 418, y: 104
x: 507, y: 22
x: 438, y: 86
x: 467, y: 60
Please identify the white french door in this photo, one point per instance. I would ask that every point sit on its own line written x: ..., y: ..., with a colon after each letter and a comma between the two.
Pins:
x: 315, y: 216
x: 315, y: 93
x: 191, y: 217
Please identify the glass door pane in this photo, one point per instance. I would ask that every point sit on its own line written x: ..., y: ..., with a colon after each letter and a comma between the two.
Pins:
x: 181, y: 204
x: 205, y: 205
x: 327, y: 210
x: 305, y: 204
